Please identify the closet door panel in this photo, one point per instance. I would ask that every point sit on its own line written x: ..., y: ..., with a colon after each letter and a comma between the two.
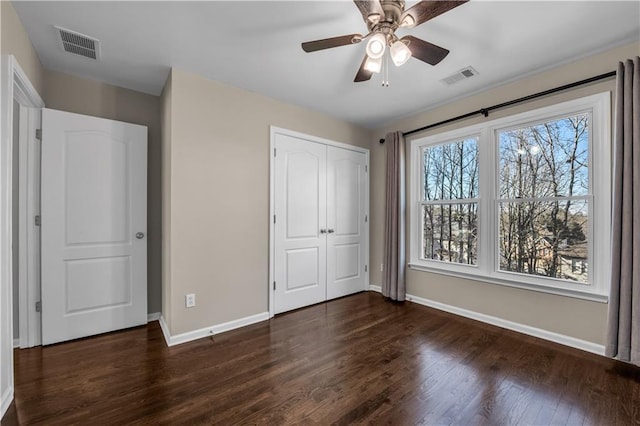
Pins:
x: 300, y: 208
x: 346, y: 210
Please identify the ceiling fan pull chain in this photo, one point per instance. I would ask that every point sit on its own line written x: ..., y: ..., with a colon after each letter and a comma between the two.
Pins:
x: 385, y: 64
x: 385, y: 74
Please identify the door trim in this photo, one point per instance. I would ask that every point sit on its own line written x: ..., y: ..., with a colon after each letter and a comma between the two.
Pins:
x: 273, y: 130
x: 14, y: 85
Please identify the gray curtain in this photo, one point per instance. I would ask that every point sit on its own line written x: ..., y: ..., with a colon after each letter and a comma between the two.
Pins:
x: 623, y: 336
x: 393, y: 285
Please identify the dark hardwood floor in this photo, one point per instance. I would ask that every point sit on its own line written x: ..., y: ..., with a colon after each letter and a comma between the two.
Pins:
x: 358, y: 359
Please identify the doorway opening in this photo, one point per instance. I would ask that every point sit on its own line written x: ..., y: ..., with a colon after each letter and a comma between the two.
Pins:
x: 20, y: 109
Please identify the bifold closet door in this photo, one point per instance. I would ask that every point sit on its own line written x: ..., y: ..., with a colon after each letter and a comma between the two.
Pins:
x: 346, y: 222
x: 300, y: 209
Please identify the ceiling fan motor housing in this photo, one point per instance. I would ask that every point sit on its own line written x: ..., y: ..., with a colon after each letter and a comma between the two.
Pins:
x: 392, y: 11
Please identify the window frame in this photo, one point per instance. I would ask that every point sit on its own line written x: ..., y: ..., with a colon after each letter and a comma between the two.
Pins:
x: 488, y: 257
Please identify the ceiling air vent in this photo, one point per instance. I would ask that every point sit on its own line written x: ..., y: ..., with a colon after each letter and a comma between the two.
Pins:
x: 77, y: 43
x: 460, y: 75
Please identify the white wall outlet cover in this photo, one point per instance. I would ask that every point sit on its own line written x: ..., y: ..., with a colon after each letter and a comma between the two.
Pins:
x: 190, y: 300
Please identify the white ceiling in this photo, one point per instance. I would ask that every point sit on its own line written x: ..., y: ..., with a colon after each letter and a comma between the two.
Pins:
x: 256, y: 46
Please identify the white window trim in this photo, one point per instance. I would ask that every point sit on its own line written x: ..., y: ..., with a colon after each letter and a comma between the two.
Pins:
x: 599, y: 211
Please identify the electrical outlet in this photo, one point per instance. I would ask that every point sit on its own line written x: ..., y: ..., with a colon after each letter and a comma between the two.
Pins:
x: 190, y: 300
x: 382, y: 267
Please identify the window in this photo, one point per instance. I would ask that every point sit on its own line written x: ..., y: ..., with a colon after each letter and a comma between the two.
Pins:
x: 521, y: 201
x: 543, y: 208
x: 450, y: 204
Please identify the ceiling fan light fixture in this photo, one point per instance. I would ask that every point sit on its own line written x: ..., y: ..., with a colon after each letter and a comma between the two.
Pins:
x: 408, y: 22
x: 376, y: 46
x: 373, y: 65
x: 400, y: 53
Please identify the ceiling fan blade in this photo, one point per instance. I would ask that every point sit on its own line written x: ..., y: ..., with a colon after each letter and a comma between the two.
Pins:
x: 363, y: 74
x: 327, y: 43
x: 425, y: 10
x: 425, y: 51
x: 371, y: 10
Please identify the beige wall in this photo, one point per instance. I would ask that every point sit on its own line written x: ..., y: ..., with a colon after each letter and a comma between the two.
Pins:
x: 220, y: 195
x: 572, y: 317
x: 73, y: 94
x: 15, y: 41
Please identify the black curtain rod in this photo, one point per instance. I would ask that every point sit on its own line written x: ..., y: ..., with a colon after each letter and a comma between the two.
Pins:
x: 485, y: 111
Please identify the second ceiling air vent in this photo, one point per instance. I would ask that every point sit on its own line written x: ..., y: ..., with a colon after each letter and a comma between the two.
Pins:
x: 79, y: 44
x: 460, y: 75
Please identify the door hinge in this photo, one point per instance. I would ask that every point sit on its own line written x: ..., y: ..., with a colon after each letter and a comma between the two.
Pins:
x: 38, y: 306
x: 366, y: 168
x: 366, y: 218
x: 274, y: 152
x: 39, y: 134
x: 274, y: 218
x: 38, y: 220
x: 274, y: 285
x: 365, y: 268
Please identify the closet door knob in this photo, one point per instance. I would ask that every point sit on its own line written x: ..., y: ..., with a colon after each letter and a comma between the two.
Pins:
x: 330, y: 231
x: 323, y: 231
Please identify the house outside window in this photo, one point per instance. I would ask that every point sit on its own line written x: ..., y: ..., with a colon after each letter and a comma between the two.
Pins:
x: 522, y: 201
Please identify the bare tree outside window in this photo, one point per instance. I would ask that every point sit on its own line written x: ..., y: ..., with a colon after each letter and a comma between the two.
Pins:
x: 544, y: 199
x: 449, y: 207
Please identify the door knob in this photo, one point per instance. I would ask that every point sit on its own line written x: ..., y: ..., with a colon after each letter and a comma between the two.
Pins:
x: 323, y: 231
x: 140, y: 235
x: 330, y: 231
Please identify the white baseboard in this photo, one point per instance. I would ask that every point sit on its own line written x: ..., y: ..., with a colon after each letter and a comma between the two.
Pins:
x: 16, y: 343
x: 7, y: 398
x: 165, y: 330
x: 514, y: 326
x: 154, y: 316
x: 211, y: 330
x: 376, y: 288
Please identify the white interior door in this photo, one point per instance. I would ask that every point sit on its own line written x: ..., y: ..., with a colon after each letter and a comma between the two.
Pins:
x: 346, y: 222
x: 300, y: 215
x: 93, y: 234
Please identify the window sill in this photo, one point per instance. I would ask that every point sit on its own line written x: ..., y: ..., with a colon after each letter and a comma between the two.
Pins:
x: 592, y: 296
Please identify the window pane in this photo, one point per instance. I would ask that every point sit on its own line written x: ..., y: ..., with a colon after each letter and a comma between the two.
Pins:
x: 450, y: 232
x: 545, y: 238
x: 450, y: 171
x: 545, y: 160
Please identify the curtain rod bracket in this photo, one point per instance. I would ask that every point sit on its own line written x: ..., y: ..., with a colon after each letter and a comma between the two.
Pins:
x: 382, y: 140
x: 484, y: 112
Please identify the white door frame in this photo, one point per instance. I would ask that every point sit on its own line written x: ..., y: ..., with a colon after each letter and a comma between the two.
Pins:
x: 14, y: 84
x: 272, y: 208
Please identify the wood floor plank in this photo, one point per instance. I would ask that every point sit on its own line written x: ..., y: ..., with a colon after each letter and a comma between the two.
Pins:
x: 355, y: 360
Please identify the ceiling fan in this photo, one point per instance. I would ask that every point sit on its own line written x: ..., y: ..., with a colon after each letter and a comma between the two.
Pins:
x: 383, y: 18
